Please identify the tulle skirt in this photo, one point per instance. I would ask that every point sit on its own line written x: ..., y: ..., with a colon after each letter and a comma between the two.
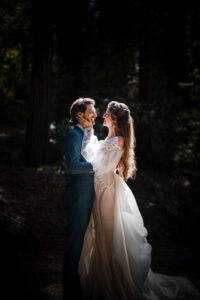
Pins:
x: 116, y: 256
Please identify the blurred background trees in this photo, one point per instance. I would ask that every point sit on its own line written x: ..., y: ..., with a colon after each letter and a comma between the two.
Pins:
x: 137, y: 52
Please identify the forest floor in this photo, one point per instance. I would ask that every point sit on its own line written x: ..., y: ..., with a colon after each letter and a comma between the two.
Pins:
x: 33, y: 224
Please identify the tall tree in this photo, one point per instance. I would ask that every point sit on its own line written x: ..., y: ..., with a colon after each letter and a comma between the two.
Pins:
x: 144, y: 134
x: 72, y: 22
x: 36, y: 146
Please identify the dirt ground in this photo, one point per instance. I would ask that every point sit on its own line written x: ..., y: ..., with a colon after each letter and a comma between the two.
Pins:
x: 33, y: 224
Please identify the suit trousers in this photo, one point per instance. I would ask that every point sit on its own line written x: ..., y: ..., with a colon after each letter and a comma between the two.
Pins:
x: 77, y: 222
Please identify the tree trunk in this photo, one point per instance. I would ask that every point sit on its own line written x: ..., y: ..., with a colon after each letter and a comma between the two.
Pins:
x: 36, y: 145
x: 71, y: 47
x: 144, y: 128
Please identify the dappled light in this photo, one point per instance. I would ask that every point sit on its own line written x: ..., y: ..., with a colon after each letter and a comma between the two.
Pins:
x: 146, y: 56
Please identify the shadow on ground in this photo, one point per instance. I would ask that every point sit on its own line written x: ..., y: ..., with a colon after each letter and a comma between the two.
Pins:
x: 32, y: 223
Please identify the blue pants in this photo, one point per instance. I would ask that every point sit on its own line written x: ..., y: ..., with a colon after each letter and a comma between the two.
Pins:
x: 77, y: 222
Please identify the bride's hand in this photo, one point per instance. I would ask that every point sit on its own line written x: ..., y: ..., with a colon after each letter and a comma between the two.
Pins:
x: 85, y: 123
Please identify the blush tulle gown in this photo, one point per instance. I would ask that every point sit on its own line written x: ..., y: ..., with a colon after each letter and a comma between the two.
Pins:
x: 115, y: 262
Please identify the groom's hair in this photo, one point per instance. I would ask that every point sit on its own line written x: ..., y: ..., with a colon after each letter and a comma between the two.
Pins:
x: 79, y: 105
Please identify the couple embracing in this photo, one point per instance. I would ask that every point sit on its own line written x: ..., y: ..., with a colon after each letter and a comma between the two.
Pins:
x: 107, y: 255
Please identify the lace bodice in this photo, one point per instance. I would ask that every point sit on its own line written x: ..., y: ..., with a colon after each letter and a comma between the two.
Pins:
x: 116, y: 256
x: 104, y: 155
x: 110, y: 145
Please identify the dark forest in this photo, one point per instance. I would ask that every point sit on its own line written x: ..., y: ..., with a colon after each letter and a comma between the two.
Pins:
x: 143, y: 53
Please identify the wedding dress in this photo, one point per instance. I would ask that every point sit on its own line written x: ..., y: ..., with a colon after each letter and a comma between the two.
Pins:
x: 116, y: 256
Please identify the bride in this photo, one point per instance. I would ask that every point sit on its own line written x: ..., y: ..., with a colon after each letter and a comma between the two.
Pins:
x: 116, y: 256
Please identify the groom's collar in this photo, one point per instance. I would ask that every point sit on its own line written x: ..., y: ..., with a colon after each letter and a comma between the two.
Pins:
x: 79, y: 126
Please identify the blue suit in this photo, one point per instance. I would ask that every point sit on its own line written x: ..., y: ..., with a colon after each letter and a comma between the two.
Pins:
x: 78, y: 200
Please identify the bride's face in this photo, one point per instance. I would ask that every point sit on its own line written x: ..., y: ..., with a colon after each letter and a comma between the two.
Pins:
x: 107, y: 119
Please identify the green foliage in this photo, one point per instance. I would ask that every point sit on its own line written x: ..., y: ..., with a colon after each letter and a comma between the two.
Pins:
x: 57, y: 133
x: 187, y: 152
x: 14, y: 75
x: 100, y: 58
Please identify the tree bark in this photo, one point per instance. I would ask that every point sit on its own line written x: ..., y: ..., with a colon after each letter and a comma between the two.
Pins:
x: 144, y: 128
x: 36, y: 145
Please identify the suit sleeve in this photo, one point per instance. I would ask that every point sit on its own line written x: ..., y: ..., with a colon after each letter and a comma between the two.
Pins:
x: 72, y: 156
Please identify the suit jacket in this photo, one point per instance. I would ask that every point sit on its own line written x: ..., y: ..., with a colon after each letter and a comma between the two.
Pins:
x: 79, y: 192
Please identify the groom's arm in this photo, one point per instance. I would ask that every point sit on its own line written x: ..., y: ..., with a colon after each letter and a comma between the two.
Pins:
x: 73, y: 155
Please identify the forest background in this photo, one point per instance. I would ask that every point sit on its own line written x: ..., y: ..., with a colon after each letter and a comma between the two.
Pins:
x: 138, y: 52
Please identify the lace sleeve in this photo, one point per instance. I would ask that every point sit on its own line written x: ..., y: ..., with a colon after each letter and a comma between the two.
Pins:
x: 89, y: 145
x: 103, y: 155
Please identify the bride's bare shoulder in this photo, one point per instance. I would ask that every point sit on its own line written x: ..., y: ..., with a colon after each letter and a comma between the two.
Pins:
x: 121, y: 141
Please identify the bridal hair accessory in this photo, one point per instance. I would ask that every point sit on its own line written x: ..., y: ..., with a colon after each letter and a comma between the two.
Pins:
x: 120, y: 110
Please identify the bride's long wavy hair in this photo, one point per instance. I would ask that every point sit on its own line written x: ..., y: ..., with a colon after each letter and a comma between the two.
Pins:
x: 124, y: 127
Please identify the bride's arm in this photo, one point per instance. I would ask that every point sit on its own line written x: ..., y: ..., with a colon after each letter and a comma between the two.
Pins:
x: 89, y: 144
x: 104, y: 156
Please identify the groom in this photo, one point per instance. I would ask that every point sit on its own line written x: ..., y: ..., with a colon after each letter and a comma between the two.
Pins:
x: 78, y: 195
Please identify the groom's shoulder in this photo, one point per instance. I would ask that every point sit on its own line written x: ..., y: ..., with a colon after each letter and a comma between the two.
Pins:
x: 73, y: 134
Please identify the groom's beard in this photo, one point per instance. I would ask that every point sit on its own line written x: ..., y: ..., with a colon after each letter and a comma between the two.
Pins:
x: 92, y: 120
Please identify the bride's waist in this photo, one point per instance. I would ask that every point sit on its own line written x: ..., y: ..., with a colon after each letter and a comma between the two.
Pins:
x: 107, y: 177
x: 104, y: 174
x: 104, y: 181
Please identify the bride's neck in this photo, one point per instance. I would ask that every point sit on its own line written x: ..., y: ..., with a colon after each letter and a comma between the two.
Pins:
x: 111, y: 133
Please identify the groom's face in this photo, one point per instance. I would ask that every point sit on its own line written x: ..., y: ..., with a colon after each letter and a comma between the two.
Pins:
x: 90, y: 113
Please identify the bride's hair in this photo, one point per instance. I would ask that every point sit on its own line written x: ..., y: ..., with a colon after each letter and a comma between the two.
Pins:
x: 124, y: 127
